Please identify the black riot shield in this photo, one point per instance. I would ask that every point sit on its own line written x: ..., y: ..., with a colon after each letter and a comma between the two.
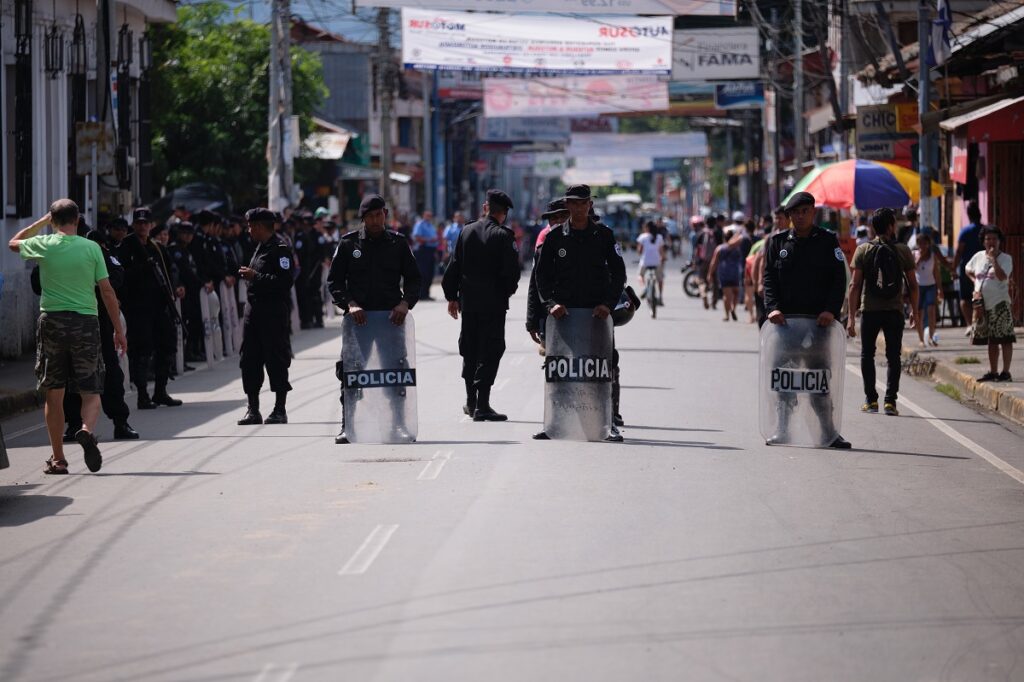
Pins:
x: 578, y: 376
x: 4, y: 462
x: 378, y: 375
x: 801, y: 382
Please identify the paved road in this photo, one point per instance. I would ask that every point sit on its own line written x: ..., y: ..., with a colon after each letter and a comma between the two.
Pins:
x: 692, y: 551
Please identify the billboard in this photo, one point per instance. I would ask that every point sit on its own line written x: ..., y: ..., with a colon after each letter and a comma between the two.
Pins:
x: 739, y: 95
x: 648, y: 145
x: 885, y: 131
x: 573, y: 96
x: 539, y: 129
x: 705, y: 8
x: 475, y: 41
x: 716, y: 54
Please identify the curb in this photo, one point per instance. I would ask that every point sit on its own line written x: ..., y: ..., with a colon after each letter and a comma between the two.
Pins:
x: 23, y: 401
x: 984, y: 394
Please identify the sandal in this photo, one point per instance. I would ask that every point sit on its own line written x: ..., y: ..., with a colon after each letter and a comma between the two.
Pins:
x: 56, y: 466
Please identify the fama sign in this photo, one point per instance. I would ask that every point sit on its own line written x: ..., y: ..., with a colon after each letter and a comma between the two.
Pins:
x: 786, y: 380
x: 380, y: 378
x: 585, y: 368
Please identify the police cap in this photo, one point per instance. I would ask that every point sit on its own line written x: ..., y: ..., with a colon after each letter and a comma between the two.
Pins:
x: 554, y: 207
x: 498, y: 199
x: 260, y: 215
x: 799, y: 199
x: 186, y: 226
x: 117, y: 224
x: 371, y: 202
x: 142, y: 215
x: 577, y: 192
x: 205, y: 217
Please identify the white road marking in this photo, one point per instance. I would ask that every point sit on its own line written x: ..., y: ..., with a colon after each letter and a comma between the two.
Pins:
x: 286, y: 674
x: 368, y: 551
x: 1007, y: 468
x: 465, y: 418
x: 434, y: 466
x: 501, y: 384
x: 22, y: 432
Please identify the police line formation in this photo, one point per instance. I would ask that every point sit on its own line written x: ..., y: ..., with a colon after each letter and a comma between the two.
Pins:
x: 181, y: 302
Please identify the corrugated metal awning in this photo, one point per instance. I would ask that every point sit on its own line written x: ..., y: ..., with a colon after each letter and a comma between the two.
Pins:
x: 958, y: 121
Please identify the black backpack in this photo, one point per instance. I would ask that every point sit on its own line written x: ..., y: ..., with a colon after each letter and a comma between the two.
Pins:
x: 884, y: 273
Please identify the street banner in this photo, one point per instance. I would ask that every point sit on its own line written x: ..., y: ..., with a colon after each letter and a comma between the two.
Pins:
x: 548, y: 164
x: 638, y: 144
x: 578, y: 376
x: 546, y: 129
x: 716, y: 54
x: 629, y: 164
x: 378, y: 379
x: 531, y: 42
x: 739, y: 95
x: 573, y: 96
x: 885, y: 131
x: 695, y: 8
x: 666, y: 164
x: 801, y: 375
x: 595, y: 177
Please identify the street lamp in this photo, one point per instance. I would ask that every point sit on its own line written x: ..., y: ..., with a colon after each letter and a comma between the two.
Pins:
x: 145, y: 52
x: 53, y: 56
x: 77, y: 59
x: 124, y: 47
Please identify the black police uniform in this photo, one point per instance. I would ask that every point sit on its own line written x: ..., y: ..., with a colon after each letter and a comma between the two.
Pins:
x: 311, y: 247
x: 266, y: 332
x: 805, y: 276
x: 482, y: 274
x: 377, y: 274
x: 147, y: 303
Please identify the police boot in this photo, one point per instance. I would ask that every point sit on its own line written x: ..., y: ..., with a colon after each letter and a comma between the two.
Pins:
x: 160, y: 396
x: 614, y: 436
x: 144, y: 401
x: 484, y: 412
x: 616, y: 390
x: 470, y: 407
x: 781, y: 435
x: 124, y: 431
x: 252, y: 414
x: 279, y: 415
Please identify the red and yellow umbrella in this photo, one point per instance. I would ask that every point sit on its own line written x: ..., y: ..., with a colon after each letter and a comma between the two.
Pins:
x: 864, y: 184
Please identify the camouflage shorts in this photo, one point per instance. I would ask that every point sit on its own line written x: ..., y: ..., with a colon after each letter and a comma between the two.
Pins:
x: 68, y: 352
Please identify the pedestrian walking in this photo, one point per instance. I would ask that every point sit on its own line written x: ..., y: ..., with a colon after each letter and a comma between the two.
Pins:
x: 883, y: 272
x: 581, y: 266
x: 68, y: 346
x: 968, y: 244
x: 425, y: 242
x: 373, y: 269
x: 805, y: 274
x: 451, y: 233
x: 148, y: 298
x: 266, y: 333
x: 481, y: 276
x: 990, y: 271
x: 928, y: 269
x: 726, y: 271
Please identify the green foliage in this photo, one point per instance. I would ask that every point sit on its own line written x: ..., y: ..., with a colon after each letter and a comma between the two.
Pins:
x: 967, y: 360
x: 210, y: 99
x: 948, y: 390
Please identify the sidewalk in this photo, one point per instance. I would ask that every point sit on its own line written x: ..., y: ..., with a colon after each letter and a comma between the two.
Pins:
x: 18, y: 386
x: 957, y: 364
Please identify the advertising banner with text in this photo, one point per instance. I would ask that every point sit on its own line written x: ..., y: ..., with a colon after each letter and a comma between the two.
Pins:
x: 575, y: 96
x: 705, y: 8
x: 539, y: 129
x: 530, y: 42
x: 716, y: 54
x: 650, y: 145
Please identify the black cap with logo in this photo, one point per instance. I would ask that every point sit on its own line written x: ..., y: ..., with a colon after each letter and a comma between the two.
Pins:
x: 142, y: 215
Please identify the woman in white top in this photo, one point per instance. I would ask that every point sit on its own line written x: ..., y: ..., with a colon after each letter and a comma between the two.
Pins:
x: 929, y: 276
x: 993, y: 322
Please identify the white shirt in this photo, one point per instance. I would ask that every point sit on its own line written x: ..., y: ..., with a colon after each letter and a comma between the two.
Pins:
x: 992, y: 290
x: 651, y: 256
x: 926, y: 270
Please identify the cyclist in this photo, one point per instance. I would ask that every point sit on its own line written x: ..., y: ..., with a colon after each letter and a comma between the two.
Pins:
x: 652, y: 250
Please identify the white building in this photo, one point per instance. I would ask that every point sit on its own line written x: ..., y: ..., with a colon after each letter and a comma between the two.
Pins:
x: 50, y: 82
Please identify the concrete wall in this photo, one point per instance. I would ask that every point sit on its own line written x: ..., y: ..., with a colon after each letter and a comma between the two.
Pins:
x: 19, y: 308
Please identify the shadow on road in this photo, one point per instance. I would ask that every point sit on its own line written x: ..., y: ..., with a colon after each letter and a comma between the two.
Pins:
x: 18, y: 508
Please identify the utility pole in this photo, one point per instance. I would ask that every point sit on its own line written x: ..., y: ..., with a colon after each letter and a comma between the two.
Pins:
x: 280, y: 143
x: 844, y: 76
x: 385, y: 80
x: 923, y: 99
x: 798, y: 88
x: 428, y: 142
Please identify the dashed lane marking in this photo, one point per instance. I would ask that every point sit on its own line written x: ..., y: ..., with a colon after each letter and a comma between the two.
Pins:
x: 987, y: 455
x: 368, y: 551
x: 25, y: 431
x: 501, y: 384
x: 434, y: 466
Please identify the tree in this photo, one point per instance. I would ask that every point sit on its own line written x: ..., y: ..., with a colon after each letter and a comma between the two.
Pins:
x: 210, y: 97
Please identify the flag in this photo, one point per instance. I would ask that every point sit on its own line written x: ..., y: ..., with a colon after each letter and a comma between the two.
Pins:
x: 939, y: 49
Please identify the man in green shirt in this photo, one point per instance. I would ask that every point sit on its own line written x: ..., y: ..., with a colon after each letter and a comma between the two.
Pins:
x: 68, y: 335
x: 883, y: 271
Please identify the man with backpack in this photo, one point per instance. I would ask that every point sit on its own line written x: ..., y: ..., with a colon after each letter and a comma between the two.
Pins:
x: 883, y: 270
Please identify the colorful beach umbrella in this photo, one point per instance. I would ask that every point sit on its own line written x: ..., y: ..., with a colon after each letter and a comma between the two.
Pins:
x: 865, y: 184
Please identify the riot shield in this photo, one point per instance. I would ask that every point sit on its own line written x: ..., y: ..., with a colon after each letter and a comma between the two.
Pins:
x: 578, y: 376
x: 179, y: 333
x: 122, y: 360
x: 231, y: 326
x: 378, y: 375
x: 801, y: 382
x: 209, y: 308
x: 4, y: 462
x: 243, y: 300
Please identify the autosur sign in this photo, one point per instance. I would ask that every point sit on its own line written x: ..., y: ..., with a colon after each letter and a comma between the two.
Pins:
x: 535, y: 43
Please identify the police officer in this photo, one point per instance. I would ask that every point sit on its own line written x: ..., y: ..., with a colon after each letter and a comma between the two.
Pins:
x: 188, y: 277
x: 536, y: 313
x: 804, y: 274
x: 481, y: 276
x: 148, y: 298
x: 581, y: 266
x: 373, y: 269
x: 266, y: 341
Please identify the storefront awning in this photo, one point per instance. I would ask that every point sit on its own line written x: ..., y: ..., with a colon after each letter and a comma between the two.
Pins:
x: 327, y: 146
x: 977, y: 114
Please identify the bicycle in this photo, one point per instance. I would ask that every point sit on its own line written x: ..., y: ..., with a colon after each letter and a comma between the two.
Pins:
x: 691, y: 280
x: 651, y: 289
